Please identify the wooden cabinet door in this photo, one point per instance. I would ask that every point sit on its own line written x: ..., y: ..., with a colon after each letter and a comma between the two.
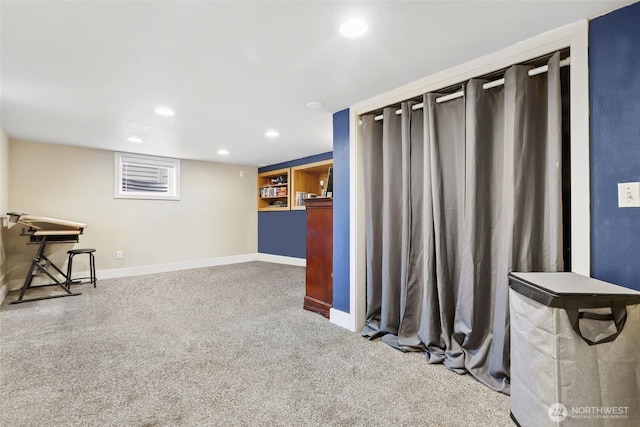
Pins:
x: 319, y: 280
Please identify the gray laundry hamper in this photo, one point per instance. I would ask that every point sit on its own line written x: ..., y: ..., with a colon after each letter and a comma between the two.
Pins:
x: 575, y: 351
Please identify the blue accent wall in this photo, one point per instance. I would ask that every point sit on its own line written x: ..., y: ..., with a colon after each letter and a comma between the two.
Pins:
x: 614, y: 86
x: 285, y: 232
x: 341, y: 211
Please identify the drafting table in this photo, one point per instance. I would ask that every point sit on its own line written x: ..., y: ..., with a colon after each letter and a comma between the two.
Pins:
x: 43, y: 230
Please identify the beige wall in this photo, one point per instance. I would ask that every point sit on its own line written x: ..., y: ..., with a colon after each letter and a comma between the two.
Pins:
x: 4, y: 204
x: 215, y: 217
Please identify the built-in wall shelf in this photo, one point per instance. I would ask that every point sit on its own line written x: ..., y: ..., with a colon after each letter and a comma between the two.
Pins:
x: 305, y: 182
x: 274, y: 191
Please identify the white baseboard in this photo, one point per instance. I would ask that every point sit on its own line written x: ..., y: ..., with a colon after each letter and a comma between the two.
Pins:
x: 174, y: 266
x: 279, y: 259
x: 341, y: 318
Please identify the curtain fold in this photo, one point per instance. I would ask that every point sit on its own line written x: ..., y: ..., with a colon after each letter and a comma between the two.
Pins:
x: 412, y: 251
x: 444, y: 165
x: 457, y: 196
x: 394, y: 200
x: 392, y: 220
x: 372, y: 167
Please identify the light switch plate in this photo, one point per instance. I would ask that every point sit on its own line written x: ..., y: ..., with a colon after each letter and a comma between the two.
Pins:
x: 628, y: 194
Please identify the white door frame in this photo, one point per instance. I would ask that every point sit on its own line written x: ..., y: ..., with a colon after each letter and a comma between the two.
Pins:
x: 574, y: 37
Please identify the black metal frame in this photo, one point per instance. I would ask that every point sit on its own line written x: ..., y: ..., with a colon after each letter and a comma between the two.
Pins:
x: 41, y: 264
x: 92, y: 268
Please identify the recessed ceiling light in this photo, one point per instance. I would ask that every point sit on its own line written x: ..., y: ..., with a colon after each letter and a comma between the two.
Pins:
x: 314, y: 105
x: 134, y: 139
x: 165, y: 111
x: 354, y: 27
x: 223, y: 152
x: 272, y: 133
x: 261, y: 165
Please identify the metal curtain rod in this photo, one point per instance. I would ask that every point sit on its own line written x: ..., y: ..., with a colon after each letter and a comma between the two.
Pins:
x: 489, y: 85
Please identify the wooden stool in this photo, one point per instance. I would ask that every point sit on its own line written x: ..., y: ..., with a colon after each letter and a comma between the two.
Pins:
x: 92, y: 266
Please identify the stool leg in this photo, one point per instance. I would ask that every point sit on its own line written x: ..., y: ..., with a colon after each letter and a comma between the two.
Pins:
x: 69, y: 269
x: 92, y: 267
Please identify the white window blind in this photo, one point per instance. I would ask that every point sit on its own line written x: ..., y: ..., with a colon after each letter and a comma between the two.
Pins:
x: 146, y: 177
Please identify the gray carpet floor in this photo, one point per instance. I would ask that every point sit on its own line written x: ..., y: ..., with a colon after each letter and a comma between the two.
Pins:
x: 226, y: 345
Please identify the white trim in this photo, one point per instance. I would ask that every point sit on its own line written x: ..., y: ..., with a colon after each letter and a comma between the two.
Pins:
x: 122, y: 159
x: 573, y: 36
x: 580, y: 165
x: 340, y: 318
x: 357, y: 273
x: 174, y: 266
x: 279, y: 259
x: 114, y: 273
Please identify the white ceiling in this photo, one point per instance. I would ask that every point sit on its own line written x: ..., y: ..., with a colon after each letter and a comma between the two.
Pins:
x: 89, y: 73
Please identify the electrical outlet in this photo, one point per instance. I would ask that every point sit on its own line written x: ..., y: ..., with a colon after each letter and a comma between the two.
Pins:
x: 119, y: 255
x: 241, y: 174
x: 628, y: 194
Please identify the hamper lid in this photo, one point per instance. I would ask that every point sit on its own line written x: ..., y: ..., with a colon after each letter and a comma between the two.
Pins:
x: 571, y: 290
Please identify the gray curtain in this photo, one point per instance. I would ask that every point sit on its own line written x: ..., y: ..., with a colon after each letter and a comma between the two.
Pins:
x: 456, y: 196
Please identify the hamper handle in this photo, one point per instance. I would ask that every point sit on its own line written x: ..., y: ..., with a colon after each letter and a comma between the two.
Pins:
x: 618, y: 315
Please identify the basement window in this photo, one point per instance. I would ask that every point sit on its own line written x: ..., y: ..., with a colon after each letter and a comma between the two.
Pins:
x: 139, y: 176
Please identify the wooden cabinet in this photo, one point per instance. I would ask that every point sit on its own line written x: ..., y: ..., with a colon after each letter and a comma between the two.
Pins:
x: 319, y: 280
x: 305, y: 181
x: 273, y: 190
